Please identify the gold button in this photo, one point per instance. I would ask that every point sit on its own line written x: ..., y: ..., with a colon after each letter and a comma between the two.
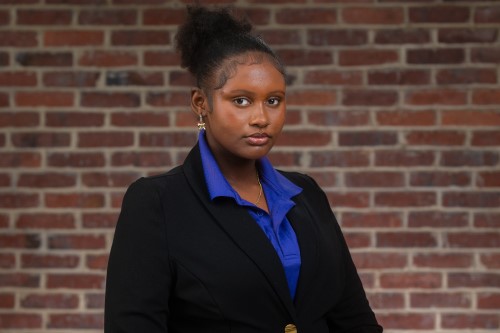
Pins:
x: 290, y: 328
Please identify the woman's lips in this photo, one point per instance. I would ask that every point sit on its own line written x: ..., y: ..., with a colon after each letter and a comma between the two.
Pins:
x: 258, y: 139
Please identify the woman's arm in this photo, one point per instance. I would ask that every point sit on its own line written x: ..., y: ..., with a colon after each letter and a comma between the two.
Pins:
x: 138, y: 277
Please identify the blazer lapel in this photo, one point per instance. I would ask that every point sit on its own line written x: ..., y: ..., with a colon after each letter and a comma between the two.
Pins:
x: 300, y: 218
x: 240, y: 226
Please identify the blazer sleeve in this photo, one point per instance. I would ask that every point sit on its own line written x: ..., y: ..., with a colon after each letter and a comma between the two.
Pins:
x: 138, y: 275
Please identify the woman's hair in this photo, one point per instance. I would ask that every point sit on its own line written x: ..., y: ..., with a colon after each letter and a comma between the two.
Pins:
x: 210, y: 37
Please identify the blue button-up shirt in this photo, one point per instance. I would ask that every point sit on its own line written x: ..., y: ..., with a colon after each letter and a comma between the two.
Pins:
x: 278, y: 191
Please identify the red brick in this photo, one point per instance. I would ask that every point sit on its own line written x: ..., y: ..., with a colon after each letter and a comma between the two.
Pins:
x: 50, y: 301
x: 440, y: 300
x: 18, y: 38
x: 338, y: 118
x: 406, y: 118
x: 7, y: 261
x: 4, y: 59
x: 488, y: 179
x: 400, y: 36
x: 4, y: 17
x: 19, y: 159
x: 399, y: 77
x: 117, y: 199
x: 20, y: 241
x: 20, y: 321
x: 404, y: 158
x: 486, y: 96
x: 107, y: 17
x: 138, y: 2
x: 471, y: 199
x: 374, y: 179
x: 469, y: 158
x: 380, y: 260
x: 486, y: 55
x: 135, y: 119
x: 369, y: 97
x: 78, y: 321
x: 281, y: 37
x: 486, y: 138
x: 161, y: 58
x: 46, y: 180
x: 487, y: 15
x: 386, y: 300
x: 18, y: 200
x: 466, y: 76
x: 473, y: 240
x: 405, y: 239
x: 373, y: 15
x: 115, y: 179
x: 20, y: 280
x: 304, y: 138
x: 258, y: 16
x: 306, y: 16
x: 79, y: 160
x: 460, y: 35
x: 44, y: 59
x: 317, y: 97
x: 439, y: 14
x: 367, y: 138
x: 445, y: 260
x: 19, y: 119
x: 367, y: 57
x: 49, y: 261
x: 437, y: 219
x: 46, y: 98
x: 80, y: 242
x: 470, y: 118
x: 339, y: 158
x: 101, y: 58
x: 75, y: 281
x: 105, y: 139
x: 491, y: 260
x: 473, y: 280
x: 301, y: 57
x: 168, y: 99
x: 18, y: 79
x: 73, y: 38
x: 158, y: 16
x: 289, y: 159
x: 435, y: 96
x: 70, y: 79
x: 50, y: 17
x: 4, y: 100
x: 333, y: 77
x: 99, y: 220
x: 94, y: 301
x: 371, y: 220
x: 5, y: 180
x: 440, y: 179
x: 99, y: 262
x: 74, y: 119
x: 473, y: 321
x: 7, y: 301
x: 405, y: 199
x: 410, y: 280
x: 141, y: 159
x: 349, y: 199
x: 337, y: 37
x: 358, y: 240
x: 488, y: 301
x: 487, y: 220
x: 76, y: 2
x: 74, y: 200
x: 181, y: 79
x: 435, y: 56
x: 110, y: 99
x: 138, y: 37
x: 438, y: 138
x: 45, y: 221
x: 130, y: 78
x: 33, y: 139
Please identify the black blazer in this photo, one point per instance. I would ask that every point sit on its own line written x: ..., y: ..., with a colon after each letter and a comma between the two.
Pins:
x: 182, y: 263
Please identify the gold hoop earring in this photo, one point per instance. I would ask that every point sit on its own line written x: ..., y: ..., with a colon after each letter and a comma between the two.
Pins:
x: 201, y: 123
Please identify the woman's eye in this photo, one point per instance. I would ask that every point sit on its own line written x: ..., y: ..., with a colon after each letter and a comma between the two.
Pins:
x: 274, y: 101
x: 241, y: 101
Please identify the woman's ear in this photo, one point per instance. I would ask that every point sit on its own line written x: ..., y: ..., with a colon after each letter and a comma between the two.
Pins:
x: 199, y: 102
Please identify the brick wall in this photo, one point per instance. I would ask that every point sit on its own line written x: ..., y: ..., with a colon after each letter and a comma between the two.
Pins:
x: 394, y: 107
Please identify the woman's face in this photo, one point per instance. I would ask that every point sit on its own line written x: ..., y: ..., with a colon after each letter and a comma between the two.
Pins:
x: 248, y: 111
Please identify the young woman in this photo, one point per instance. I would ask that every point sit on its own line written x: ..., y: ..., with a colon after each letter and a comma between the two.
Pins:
x: 224, y: 242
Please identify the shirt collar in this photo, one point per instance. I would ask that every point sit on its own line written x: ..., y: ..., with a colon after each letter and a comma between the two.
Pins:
x: 218, y: 186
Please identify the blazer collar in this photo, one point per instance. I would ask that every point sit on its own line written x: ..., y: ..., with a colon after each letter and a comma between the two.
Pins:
x: 245, y: 232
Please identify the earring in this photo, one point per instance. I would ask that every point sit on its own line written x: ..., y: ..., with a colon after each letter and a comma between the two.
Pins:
x: 201, y: 123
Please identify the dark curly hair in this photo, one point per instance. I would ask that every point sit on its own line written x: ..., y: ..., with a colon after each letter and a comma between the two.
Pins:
x: 210, y: 37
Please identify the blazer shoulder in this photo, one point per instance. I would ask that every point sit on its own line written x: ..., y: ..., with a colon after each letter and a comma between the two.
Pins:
x: 306, y: 182
x: 157, y: 183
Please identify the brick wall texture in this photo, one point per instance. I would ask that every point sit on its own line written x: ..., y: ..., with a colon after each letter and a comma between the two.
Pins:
x: 393, y: 106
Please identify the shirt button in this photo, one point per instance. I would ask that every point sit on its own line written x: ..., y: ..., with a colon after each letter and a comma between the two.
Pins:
x: 290, y: 328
